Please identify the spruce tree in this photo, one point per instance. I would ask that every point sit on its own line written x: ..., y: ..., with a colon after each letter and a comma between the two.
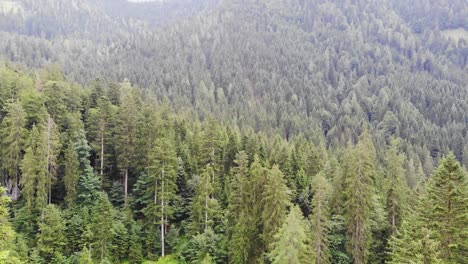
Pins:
x: 163, y: 175
x: 100, y: 230
x: 53, y: 149
x: 445, y: 212
x: 320, y: 220
x: 127, y: 126
x: 275, y: 200
x: 101, y: 123
x: 51, y: 237
x: 240, y: 209
x: 14, y: 135
x: 35, y: 170
x: 359, y: 173
x: 396, y: 186
x: 72, y: 174
x: 88, y: 183
x: 290, y: 245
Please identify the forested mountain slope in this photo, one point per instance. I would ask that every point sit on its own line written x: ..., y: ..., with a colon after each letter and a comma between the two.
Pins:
x: 331, y: 64
x: 233, y: 131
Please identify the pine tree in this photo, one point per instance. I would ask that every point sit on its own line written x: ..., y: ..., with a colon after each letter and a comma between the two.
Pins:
x: 276, y: 199
x: 53, y: 149
x: 35, y: 171
x: 396, y: 187
x: 51, y: 237
x: 258, y: 181
x: 164, y: 176
x: 446, y: 203
x: 359, y: 172
x: 72, y: 174
x: 240, y: 208
x: 88, y: 183
x: 412, y: 243
x: 101, y: 123
x: 320, y: 220
x: 290, y: 244
x: 14, y: 136
x: 211, y: 153
x: 203, y: 205
x: 100, y: 230
x: 126, y: 133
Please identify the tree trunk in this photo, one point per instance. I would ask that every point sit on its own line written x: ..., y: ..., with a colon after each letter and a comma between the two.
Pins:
x: 126, y: 187
x: 162, y: 213
x: 102, y: 154
x: 206, y: 205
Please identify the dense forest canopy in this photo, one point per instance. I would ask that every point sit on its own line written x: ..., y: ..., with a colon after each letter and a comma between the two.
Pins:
x: 267, y: 131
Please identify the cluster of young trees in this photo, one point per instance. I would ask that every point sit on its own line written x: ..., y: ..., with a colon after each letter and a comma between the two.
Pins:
x: 108, y: 174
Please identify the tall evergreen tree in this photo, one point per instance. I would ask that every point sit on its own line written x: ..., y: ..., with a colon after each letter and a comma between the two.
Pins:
x: 89, y: 184
x: 290, y: 244
x: 53, y: 149
x: 275, y: 200
x: 14, y: 135
x: 100, y: 230
x: 101, y: 123
x: 164, y: 176
x: 240, y: 209
x: 51, y: 237
x: 396, y: 187
x: 35, y: 170
x: 445, y: 212
x: 320, y: 220
x: 359, y: 172
x: 72, y: 174
x: 126, y: 133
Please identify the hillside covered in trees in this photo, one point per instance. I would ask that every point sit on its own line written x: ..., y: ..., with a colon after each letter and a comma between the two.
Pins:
x: 234, y: 131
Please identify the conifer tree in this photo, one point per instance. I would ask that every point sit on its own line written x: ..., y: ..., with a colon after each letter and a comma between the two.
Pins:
x: 101, y: 123
x: 14, y: 135
x: 290, y: 245
x: 240, y: 209
x: 320, y: 220
x: 127, y: 132
x: 258, y: 181
x: 412, y: 243
x: 53, y: 149
x: 72, y: 174
x: 204, y: 206
x: 88, y: 183
x: 100, y: 229
x: 396, y: 187
x: 8, y: 254
x: 51, y: 237
x: 35, y: 170
x: 445, y: 212
x: 212, y: 152
x: 275, y: 200
x: 164, y: 176
x: 359, y: 172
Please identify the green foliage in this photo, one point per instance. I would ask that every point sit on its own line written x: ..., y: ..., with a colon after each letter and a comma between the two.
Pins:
x: 51, y: 237
x: 14, y: 136
x: 111, y: 173
x: 320, y: 220
x: 359, y: 172
x: 275, y: 200
x: 290, y: 244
